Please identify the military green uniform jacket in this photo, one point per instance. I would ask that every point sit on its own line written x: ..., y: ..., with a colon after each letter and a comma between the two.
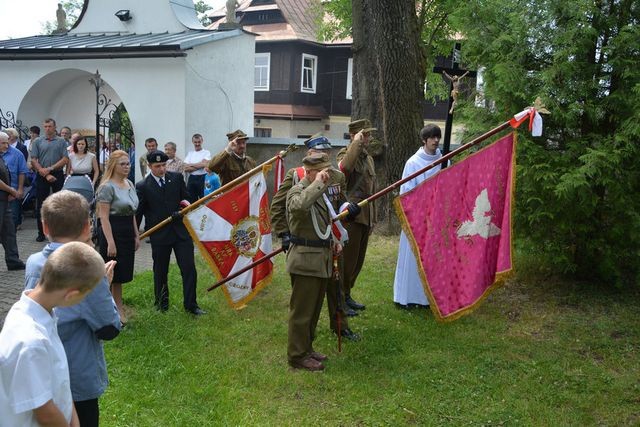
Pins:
x: 144, y: 165
x: 358, y: 167
x: 307, y: 260
x: 229, y: 166
x: 335, y: 191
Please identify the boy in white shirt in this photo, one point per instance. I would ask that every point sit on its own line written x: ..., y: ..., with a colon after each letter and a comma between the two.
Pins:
x: 34, y: 375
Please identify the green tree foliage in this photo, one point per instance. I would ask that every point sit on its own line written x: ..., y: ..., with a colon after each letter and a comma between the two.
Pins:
x: 201, y: 9
x: 578, y: 186
x: 436, y: 34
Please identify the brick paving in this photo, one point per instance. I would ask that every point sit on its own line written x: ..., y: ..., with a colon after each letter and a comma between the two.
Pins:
x: 12, y: 282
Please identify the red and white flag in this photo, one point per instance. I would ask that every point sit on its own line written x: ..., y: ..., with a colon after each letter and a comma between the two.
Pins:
x: 278, y: 173
x: 458, y: 223
x: 232, y: 231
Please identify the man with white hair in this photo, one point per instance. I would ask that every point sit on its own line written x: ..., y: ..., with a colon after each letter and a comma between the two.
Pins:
x: 17, y: 166
x: 15, y: 142
x: 8, y: 193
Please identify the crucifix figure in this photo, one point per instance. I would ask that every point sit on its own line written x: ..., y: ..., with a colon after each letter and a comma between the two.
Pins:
x: 455, y: 83
x: 454, y: 75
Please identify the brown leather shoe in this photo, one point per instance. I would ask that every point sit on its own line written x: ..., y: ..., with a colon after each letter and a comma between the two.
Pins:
x: 318, y: 356
x: 308, y: 363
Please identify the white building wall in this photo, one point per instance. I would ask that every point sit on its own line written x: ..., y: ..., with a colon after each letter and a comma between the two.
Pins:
x: 152, y: 90
x: 219, y: 90
x: 147, y: 16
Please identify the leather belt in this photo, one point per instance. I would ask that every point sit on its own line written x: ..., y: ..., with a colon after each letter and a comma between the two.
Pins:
x: 313, y: 243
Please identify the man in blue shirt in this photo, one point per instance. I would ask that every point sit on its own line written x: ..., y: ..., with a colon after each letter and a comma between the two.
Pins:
x: 82, y: 327
x: 16, y: 162
x: 7, y: 193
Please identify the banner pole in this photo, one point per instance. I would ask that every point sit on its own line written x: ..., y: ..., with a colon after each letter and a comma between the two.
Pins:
x: 375, y: 196
x: 220, y: 190
x: 245, y: 269
x: 443, y: 159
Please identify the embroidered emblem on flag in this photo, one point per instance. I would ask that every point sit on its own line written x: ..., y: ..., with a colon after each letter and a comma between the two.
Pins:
x: 459, y: 225
x: 232, y: 231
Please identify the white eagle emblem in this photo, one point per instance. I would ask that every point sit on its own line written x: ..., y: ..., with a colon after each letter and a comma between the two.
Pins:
x: 481, y: 224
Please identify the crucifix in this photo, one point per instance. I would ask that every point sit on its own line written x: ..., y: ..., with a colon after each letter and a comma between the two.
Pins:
x: 454, y: 75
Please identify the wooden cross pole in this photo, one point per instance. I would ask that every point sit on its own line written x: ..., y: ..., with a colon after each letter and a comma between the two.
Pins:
x: 454, y: 74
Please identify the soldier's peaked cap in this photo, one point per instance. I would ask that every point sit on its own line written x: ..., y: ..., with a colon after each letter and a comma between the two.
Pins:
x: 316, y: 161
x: 157, y: 156
x: 318, y: 142
x: 363, y: 125
x: 237, y: 134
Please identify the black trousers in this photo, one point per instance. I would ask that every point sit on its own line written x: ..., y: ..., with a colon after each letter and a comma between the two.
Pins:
x: 43, y: 189
x: 195, y: 187
x: 161, y: 255
x: 88, y: 412
x: 8, y: 235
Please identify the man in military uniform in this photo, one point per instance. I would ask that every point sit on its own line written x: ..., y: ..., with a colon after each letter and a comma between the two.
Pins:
x: 309, y: 260
x: 336, y: 186
x: 233, y: 161
x: 357, y: 165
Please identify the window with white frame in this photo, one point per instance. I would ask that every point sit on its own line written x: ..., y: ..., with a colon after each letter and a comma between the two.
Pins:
x: 349, y: 77
x: 261, y: 71
x: 309, y: 73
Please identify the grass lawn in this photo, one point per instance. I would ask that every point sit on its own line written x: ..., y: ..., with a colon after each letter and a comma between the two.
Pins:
x: 537, y: 352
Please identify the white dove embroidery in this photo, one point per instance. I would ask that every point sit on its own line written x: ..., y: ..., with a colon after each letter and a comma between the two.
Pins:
x: 481, y: 224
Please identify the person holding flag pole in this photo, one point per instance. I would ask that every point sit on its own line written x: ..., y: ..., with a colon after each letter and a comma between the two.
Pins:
x: 309, y: 260
x: 231, y: 228
x: 335, y: 193
x: 160, y: 195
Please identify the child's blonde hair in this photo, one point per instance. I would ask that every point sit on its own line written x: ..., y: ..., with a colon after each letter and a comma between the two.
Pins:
x: 74, y: 265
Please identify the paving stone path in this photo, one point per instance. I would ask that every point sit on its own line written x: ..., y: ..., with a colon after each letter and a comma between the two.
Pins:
x: 12, y: 282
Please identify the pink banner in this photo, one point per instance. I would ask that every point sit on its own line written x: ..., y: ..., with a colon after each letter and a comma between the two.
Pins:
x: 459, y: 225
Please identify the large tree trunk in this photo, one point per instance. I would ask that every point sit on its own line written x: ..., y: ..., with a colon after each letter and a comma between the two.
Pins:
x: 387, y: 85
x: 366, y: 80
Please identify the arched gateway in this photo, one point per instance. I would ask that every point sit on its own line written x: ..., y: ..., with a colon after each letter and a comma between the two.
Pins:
x: 174, y: 77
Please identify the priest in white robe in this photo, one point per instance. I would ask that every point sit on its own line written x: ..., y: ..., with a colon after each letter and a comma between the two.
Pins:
x: 407, y: 286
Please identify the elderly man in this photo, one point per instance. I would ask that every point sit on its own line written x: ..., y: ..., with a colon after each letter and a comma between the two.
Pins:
x: 17, y: 165
x: 309, y: 261
x: 49, y: 156
x: 233, y: 161
x: 194, y: 164
x: 15, y: 142
x: 357, y: 165
x: 8, y: 193
x: 65, y: 133
x: 174, y: 164
x: 336, y: 194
